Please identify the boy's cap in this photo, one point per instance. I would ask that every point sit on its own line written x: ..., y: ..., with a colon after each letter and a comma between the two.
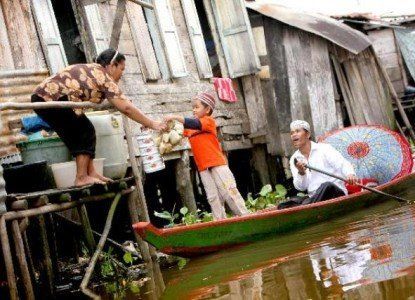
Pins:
x: 206, y: 98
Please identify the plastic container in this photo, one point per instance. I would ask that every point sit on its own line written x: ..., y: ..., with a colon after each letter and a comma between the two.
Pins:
x: 154, y: 166
x: 152, y: 160
x: 110, y: 143
x: 65, y: 173
x: 27, y: 178
x: 51, y: 150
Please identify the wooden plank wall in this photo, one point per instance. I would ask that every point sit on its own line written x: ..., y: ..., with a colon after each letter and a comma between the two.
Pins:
x: 387, y: 49
x: 370, y: 98
x: 303, y: 87
x: 21, y: 41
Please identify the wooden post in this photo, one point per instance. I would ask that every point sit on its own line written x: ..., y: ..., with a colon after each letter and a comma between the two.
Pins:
x: 117, y: 25
x: 138, y: 209
x: 46, y: 270
x: 184, y: 182
x: 8, y: 261
x: 86, y: 227
x: 21, y: 257
x: 259, y: 158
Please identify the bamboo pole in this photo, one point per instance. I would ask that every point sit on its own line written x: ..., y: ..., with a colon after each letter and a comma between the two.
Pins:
x: 52, y: 104
x: 101, y: 243
x: 21, y: 258
x: 394, y: 95
x: 59, y: 206
x: 8, y: 261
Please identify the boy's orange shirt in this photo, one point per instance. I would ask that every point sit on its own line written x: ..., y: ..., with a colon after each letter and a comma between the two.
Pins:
x: 205, y: 145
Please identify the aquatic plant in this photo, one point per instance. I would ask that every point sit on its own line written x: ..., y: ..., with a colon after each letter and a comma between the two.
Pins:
x: 267, y: 198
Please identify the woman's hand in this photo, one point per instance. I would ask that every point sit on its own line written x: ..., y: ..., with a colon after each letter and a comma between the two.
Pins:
x: 157, y: 125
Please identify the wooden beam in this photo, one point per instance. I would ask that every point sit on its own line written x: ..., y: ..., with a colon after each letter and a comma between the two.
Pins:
x: 11, y: 215
x: 117, y: 25
x: 8, y: 261
x: 21, y: 257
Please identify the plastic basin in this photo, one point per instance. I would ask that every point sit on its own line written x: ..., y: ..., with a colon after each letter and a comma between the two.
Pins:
x: 65, y: 173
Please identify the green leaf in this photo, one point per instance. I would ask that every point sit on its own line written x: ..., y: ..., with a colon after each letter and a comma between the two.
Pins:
x: 164, y: 215
x: 265, y: 190
x: 128, y: 258
x: 181, y: 263
x: 281, y: 190
x: 184, y: 210
x: 135, y: 287
x: 301, y: 195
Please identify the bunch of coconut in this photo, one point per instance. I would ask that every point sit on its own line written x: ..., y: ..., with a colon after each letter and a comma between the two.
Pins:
x: 166, y: 140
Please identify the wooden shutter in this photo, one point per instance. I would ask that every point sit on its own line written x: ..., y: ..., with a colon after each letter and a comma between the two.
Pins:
x: 170, y: 38
x: 96, y: 27
x: 196, y: 38
x: 142, y: 41
x: 236, y: 37
x: 50, y: 36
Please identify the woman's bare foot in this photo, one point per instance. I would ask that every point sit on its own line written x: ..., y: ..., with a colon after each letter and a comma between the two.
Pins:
x: 100, y: 177
x: 87, y: 180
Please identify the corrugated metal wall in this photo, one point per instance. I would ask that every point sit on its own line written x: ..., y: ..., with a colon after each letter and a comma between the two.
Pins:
x: 16, y: 86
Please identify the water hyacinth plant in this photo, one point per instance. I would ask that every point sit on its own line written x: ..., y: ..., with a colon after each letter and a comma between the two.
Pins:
x: 267, y: 198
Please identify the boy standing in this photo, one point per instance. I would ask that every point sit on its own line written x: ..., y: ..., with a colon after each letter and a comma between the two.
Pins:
x: 216, y: 176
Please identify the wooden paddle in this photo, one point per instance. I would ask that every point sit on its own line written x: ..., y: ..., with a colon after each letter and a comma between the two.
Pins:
x: 358, y: 184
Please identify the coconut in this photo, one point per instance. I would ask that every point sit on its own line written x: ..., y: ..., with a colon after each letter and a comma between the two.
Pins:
x: 165, y: 137
x: 157, y: 140
x: 174, y: 137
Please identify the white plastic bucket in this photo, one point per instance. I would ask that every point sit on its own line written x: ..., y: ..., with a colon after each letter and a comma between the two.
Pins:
x: 110, y: 143
x: 65, y: 173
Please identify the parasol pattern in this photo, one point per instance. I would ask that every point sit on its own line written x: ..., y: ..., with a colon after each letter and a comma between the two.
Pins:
x: 375, y: 151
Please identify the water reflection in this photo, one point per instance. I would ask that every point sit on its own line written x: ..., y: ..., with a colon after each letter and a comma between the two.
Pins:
x: 368, y: 259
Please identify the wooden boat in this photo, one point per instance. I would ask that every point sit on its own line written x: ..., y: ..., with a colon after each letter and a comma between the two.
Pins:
x: 203, y: 238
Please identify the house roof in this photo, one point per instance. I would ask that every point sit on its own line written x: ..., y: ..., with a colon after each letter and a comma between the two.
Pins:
x: 326, y: 27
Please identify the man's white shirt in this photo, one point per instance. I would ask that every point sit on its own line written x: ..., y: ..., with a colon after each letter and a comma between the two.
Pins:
x: 325, y: 157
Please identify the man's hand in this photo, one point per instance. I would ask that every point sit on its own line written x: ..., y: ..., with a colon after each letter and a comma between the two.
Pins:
x: 301, y: 166
x: 352, y: 179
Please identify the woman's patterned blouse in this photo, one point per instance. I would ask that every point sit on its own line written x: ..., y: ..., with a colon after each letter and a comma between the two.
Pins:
x: 81, y: 82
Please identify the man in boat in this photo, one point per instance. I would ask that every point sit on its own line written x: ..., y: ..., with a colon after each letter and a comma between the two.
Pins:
x: 319, y: 187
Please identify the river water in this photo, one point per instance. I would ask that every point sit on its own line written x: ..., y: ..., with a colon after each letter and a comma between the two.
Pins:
x: 369, y: 254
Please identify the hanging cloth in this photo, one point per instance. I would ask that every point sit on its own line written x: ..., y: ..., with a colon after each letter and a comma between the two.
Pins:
x: 225, y: 89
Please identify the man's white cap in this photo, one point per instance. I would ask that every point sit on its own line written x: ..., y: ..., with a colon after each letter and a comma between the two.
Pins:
x: 299, y: 124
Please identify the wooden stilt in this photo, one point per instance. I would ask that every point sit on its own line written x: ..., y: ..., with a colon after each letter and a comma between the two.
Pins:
x: 86, y: 226
x: 184, y: 182
x: 46, y: 270
x: 29, y: 258
x: 101, y: 243
x: 259, y: 158
x: 21, y: 258
x: 50, y: 224
x: 138, y: 206
x: 8, y: 261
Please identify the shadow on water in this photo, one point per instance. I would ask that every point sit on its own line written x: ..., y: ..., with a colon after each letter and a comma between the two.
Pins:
x: 365, y: 255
